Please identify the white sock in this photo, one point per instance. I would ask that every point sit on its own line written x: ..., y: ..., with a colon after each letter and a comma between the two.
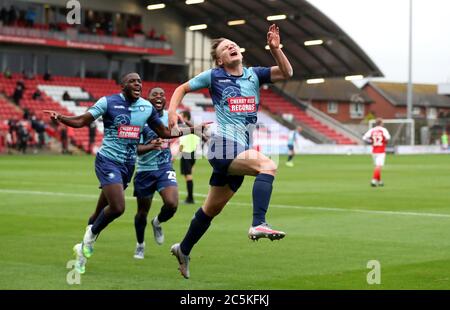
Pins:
x: 89, y: 237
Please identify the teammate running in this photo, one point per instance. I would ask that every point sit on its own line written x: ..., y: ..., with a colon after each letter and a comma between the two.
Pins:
x: 234, y: 90
x: 124, y: 116
x: 378, y: 136
x: 154, y: 173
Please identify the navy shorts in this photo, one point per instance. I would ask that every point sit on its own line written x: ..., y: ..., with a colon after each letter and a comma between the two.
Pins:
x: 187, y: 162
x: 290, y: 147
x: 221, y: 153
x: 147, y: 182
x: 111, y: 172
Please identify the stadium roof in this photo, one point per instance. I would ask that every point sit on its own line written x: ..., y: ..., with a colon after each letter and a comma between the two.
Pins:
x: 337, y: 56
x: 337, y: 90
x: 425, y: 95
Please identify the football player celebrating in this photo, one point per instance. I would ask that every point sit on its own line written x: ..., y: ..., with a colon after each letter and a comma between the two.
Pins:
x: 235, y: 93
x: 124, y: 117
x: 154, y: 173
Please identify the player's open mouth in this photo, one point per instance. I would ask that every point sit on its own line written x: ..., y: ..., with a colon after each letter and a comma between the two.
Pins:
x: 136, y: 92
x: 233, y: 53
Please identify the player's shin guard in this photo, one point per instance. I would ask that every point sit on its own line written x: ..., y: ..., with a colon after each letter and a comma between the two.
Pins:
x: 166, y: 213
x: 262, y: 191
x: 199, y: 225
x: 140, y: 222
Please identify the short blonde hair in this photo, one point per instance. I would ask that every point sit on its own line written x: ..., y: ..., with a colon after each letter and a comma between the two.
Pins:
x: 214, y: 44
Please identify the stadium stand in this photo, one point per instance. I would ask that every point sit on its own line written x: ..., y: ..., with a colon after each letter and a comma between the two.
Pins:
x: 75, y: 93
x: 84, y: 92
x: 25, y: 22
x: 48, y: 101
x: 278, y: 105
x: 9, y: 111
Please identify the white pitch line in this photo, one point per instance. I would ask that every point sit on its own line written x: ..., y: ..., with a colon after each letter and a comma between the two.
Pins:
x: 40, y: 193
x: 351, y: 210
x: 21, y: 192
x: 420, y: 214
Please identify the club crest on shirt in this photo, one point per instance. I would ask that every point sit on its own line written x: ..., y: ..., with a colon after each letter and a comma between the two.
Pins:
x: 229, y: 92
x: 121, y: 119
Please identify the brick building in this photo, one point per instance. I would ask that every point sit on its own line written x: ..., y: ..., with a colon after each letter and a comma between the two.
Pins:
x: 338, y: 98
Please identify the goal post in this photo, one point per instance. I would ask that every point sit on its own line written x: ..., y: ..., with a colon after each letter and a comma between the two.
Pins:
x: 402, y: 130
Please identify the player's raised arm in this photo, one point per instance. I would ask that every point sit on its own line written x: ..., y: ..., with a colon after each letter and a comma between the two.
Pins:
x: 177, y: 96
x: 283, y: 70
x: 72, y: 121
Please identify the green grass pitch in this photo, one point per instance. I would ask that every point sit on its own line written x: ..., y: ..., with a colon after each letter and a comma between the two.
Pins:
x: 335, y: 223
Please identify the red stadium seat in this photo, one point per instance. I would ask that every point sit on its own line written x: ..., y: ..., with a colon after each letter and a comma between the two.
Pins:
x: 278, y: 105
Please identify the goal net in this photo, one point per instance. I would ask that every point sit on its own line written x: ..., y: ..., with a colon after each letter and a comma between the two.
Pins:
x: 401, y: 130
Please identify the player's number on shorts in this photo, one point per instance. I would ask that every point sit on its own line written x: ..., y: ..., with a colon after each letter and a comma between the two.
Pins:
x: 171, y: 175
x: 377, y: 139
